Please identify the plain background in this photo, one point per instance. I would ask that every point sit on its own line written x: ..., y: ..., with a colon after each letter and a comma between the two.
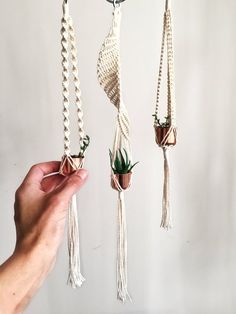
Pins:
x: 189, y: 270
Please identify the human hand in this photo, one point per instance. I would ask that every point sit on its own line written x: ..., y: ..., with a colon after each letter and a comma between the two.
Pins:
x: 41, y: 205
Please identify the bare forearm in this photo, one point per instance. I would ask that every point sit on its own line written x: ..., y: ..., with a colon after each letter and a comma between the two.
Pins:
x: 20, y: 278
x: 40, y: 214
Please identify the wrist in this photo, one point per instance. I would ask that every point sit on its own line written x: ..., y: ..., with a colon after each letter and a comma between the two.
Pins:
x: 21, y: 276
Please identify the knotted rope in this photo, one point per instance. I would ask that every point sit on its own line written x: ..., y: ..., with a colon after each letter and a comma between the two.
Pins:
x: 109, y: 72
x: 69, y: 61
x: 165, y: 143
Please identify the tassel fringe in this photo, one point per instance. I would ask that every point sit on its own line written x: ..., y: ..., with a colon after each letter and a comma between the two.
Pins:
x: 75, y: 278
x: 122, y: 278
x: 166, y: 213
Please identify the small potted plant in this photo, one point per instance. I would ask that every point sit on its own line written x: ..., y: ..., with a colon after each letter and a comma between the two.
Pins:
x: 165, y: 133
x: 122, y: 169
x: 71, y: 163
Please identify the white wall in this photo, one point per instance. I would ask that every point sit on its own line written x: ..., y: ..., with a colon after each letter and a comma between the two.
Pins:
x: 189, y: 270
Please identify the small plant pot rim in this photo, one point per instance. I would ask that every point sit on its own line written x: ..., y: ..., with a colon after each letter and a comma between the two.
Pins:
x: 124, y: 180
x: 162, y: 137
x: 70, y: 164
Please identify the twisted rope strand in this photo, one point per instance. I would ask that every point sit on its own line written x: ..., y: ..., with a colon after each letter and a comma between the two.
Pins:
x: 160, y: 68
x: 75, y: 72
x: 167, y: 40
x: 65, y: 81
x: 75, y: 278
x: 170, y: 57
x: 108, y: 67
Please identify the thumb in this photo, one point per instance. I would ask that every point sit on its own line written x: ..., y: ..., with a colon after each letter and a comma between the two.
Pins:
x: 72, y: 184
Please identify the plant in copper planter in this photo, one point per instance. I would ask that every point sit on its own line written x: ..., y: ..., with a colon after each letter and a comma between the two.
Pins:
x: 165, y: 133
x: 71, y: 163
x: 122, y: 169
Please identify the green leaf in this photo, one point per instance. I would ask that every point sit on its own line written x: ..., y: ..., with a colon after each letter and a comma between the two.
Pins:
x: 122, y: 159
x: 117, y: 164
x: 114, y: 170
x: 111, y: 157
x: 127, y: 157
x: 133, y: 166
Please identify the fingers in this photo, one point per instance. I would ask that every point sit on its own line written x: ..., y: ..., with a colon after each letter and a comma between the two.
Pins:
x: 50, y: 183
x: 71, y: 185
x: 37, y: 172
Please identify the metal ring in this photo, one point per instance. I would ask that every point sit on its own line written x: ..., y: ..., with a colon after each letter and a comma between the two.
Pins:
x: 115, y: 2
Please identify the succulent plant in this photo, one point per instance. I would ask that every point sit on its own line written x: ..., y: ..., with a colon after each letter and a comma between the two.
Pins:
x: 84, y: 146
x: 122, y: 163
x: 165, y: 124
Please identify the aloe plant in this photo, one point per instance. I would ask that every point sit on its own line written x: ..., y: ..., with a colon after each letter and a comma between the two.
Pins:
x: 122, y: 164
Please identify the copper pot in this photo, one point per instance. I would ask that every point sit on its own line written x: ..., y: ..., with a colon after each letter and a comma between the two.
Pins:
x: 165, y: 136
x: 70, y: 164
x: 124, y: 181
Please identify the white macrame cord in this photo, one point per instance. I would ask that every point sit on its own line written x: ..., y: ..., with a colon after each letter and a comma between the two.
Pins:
x: 167, y: 41
x: 70, y: 62
x: 108, y: 71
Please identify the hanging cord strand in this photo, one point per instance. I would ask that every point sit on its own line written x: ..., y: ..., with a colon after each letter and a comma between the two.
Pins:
x: 75, y: 278
x: 170, y: 69
x: 75, y: 71
x: 166, y: 215
x: 160, y: 69
x: 167, y: 40
x: 65, y: 77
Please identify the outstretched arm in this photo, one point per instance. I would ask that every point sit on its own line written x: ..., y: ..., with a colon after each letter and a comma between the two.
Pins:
x: 40, y: 213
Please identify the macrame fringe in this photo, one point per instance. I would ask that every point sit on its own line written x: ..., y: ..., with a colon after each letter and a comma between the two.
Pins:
x: 166, y: 212
x: 75, y: 278
x: 122, y: 278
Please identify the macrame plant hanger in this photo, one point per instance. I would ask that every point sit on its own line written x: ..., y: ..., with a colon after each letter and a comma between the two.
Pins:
x: 109, y: 77
x: 166, y: 131
x: 71, y: 163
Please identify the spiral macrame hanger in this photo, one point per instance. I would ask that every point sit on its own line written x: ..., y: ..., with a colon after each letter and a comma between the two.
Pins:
x: 166, y: 131
x: 109, y: 76
x: 71, y: 163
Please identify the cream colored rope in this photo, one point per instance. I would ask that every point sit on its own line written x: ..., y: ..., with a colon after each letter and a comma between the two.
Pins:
x: 69, y: 55
x: 66, y: 77
x: 76, y: 80
x: 108, y: 71
x: 167, y: 41
x: 69, y: 58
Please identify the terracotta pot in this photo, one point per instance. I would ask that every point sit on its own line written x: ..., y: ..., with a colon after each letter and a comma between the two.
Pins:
x: 70, y: 164
x: 162, y: 137
x: 123, y: 179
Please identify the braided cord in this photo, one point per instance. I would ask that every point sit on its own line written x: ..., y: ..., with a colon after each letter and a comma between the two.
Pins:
x: 109, y: 72
x: 65, y: 78
x: 167, y: 40
x: 170, y: 60
x: 75, y: 71
x: 108, y: 67
x: 160, y: 68
x: 69, y: 56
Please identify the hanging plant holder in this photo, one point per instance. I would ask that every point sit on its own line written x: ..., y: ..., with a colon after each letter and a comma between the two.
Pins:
x: 70, y: 162
x: 165, y: 136
x: 121, y: 181
x: 108, y: 71
x: 166, y: 132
